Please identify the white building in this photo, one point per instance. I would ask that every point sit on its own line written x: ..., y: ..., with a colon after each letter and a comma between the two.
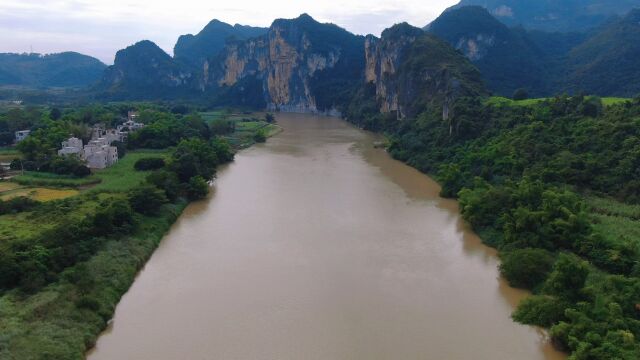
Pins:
x: 98, y: 153
x: 130, y: 126
x: 72, y: 146
x: 22, y: 134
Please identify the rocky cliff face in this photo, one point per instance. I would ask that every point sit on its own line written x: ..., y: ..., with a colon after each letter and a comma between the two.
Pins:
x: 194, y: 50
x: 290, y: 62
x: 143, y: 70
x: 412, y: 70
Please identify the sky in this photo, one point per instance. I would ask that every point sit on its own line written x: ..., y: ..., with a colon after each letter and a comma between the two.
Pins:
x: 101, y: 27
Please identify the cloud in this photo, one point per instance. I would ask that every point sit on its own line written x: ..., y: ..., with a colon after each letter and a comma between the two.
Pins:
x: 101, y: 27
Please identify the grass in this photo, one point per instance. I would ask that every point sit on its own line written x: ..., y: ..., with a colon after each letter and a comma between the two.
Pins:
x: 122, y: 176
x: 608, y: 101
x: 8, y: 186
x: 246, y: 126
x: 503, y: 101
x: 54, y: 323
x: 615, y: 221
x: 39, y: 194
x: 8, y: 154
x: 33, y: 178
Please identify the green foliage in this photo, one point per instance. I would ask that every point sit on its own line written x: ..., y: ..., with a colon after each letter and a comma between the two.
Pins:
x: 149, y: 163
x: 147, y: 199
x: 194, y: 157
x: 16, y: 204
x: 260, y: 137
x: 526, y: 268
x: 567, y: 278
x: 270, y: 118
x: 197, y: 188
x: 66, y: 69
x: 164, y: 129
x: 540, y: 310
x: 520, y: 169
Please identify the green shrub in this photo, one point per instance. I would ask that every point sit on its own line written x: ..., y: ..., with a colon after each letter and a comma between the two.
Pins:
x: 197, y: 188
x: 147, y: 199
x: 260, y: 136
x: 526, y: 268
x: 149, y: 163
x: 540, y: 310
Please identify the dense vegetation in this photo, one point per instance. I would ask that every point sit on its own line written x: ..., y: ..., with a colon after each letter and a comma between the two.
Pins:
x: 599, y: 61
x: 522, y: 174
x: 555, y: 16
x: 68, y: 69
x: 65, y: 263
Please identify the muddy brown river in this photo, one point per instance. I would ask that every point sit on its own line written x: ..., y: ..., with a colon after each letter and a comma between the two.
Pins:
x: 318, y: 246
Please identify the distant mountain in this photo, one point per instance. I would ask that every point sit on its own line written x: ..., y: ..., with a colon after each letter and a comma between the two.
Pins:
x: 144, y: 71
x: 608, y: 63
x: 299, y: 64
x: 507, y: 58
x: 601, y: 61
x: 67, y: 69
x: 195, y: 49
x: 554, y: 15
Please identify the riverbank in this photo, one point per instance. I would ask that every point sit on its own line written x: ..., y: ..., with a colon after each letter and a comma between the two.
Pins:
x: 350, y: 255
x: 552, y: 185
x: 104, y: 236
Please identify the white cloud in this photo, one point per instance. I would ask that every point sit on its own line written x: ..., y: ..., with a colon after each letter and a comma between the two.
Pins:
x: 101, y: 27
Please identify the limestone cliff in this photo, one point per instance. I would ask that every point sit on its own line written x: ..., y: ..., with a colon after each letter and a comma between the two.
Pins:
x: 412, y: 70
x: 296, y: 62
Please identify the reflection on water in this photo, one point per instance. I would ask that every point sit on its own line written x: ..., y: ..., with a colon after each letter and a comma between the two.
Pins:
x: 318, y: 246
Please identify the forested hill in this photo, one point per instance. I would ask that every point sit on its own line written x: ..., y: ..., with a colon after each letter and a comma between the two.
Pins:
x: 67, y: 69
x: 554, y: 15
x: 194, y: 50
x: 602, y: 61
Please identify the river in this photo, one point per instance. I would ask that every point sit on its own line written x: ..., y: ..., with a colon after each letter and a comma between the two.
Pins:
x: 316, y: 245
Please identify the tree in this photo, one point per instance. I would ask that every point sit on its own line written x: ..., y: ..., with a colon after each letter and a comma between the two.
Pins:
x: 452, y: 180
x: 260, y: 136
x: 149, y: 163
x: 194, y: 157
x: 167, y: 181
x: 223, y: 150
x: 567, y: 278
x: 55, y: 114
x: 270, y: 118
x: 197, y: 188
x: 526, y: 268
x: 147, y: 199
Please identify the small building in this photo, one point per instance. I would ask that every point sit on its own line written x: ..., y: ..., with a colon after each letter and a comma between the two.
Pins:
x: 21, y: 135
x: 72, y: 146
x: 129, y: 126
x: 98, y: 153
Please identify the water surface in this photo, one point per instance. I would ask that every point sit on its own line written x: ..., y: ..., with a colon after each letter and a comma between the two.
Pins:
x: 318, y: 246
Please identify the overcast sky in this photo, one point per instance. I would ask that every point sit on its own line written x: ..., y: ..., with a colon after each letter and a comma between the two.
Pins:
x: 101, y: 27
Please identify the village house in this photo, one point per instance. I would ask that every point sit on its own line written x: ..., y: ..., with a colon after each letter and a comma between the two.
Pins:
x: 98, y: 153
x: 21, y: 135
x: 72, y: 146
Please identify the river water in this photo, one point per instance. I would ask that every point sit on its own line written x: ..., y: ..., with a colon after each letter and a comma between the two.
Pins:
x: 316, y: 245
